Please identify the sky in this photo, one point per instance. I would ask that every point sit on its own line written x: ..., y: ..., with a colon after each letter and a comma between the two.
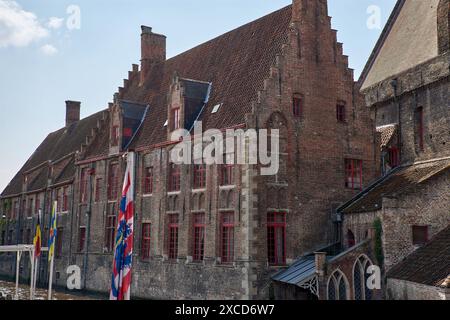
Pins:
x: 57, y: 50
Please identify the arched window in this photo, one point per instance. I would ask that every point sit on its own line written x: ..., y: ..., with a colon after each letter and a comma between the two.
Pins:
x: 360, y: 277
x: 337, y: 286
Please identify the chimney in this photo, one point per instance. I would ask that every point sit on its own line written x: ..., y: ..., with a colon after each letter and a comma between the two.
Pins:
x: 153, y: 50
x: 308, y: 9
x: 72, y: 112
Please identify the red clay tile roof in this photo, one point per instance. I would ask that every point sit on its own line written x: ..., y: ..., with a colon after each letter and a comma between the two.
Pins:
x: 429, y: 265
x: 236, y: 63
x: 399, y: 181
x: 57, y: 145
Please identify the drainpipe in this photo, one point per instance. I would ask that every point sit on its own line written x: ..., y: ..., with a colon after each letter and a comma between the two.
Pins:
x: 88, y: 225
x: 394, y: 84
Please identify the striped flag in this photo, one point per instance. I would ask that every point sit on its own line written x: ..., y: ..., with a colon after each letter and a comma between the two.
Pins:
x: 123, y: 249
x: 53, y: 231
x: 37, y: 241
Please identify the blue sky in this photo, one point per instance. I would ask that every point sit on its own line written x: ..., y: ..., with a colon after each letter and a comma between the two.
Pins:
x: 43, y: 62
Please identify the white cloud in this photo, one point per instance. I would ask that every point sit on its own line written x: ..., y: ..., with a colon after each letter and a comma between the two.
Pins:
x: 49, y: 50
x: 55, y: 22
x: 18, y: 27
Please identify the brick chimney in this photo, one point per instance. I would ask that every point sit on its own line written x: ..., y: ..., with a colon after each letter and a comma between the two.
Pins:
x: 308, y: 9
x: 72, y: 112
x: 153, y: 50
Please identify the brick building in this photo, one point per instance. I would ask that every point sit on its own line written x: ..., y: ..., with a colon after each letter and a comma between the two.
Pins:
x: 216, y: 231
x: 406, y: 88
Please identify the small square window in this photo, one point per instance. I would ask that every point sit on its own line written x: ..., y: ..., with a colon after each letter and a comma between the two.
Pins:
x: 420, y: 235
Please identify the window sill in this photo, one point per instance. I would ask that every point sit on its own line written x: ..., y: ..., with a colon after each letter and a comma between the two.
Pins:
x: 227, y: 187
x: 147, y: 195
x: 198, y: 190
x: 173, y: 193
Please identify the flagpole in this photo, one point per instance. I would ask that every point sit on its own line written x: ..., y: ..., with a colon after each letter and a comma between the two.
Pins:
x: 52, y: 252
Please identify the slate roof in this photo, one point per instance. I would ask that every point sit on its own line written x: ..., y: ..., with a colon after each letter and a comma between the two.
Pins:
x: 408, y: 39
x: 54, y: 147
x: 399, y: 181
x: 236, y: 63
x: 429, y: 265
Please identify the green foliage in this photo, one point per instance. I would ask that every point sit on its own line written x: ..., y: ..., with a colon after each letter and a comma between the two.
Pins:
x: 378, y: 241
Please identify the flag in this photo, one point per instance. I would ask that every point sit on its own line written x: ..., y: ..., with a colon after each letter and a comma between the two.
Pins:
x: 53, y: 231
x: 37, y: 241
x: 123, y: 248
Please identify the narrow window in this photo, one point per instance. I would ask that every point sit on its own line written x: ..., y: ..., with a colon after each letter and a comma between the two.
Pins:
x: 175, y: 119
x: 199, y: 237
x: 59, y: 242
x: 113, y: 181
x: 148, y: 180
x: 297, y: 106
x: 65, y: 199
x: 30, y: 207
x: 354, y: 174
x: 110, y: 232
x: 83, y: 185
x: 145, y: 241
x: 394, y: 158
x: 341, y: 112
x: 351, y: 241
x: 38, y: 205
x: 98, y: 189
x: 420, y: 235
x: 174, y: 177
x: 115, y: 136
x: 10, y: 237
x: 81, y: 239
x: 173, y: 236
x: 3, y: 238
x: 419, y: 127
x: 276, y: 238
x: 227, y: 238
x: 227, y: 175
x: 199, y: 176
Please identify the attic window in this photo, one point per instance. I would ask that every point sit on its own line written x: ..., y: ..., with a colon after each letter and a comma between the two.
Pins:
x: 216, y: 108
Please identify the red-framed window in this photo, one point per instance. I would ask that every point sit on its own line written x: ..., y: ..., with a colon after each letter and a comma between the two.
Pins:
x: 199, y: 228
x: 175, y: 119
x: 353, y: 174
x: 173, y: 236
x: 420, y: 235
x: 65, y: 199
x: 98, y: 189
x: 227, y: 174
x: 276, y: 238
x: 351, y: 240
x: 297, y: 106
x: 148, y: 180
x: 110, y: 232
x: 199, y: 176
x: 81, y: 239
x: 174, y: 177
x: 113, y: 180
x: 115, y: 136
x: 227, y: 237
x: 420, y: 129
x: 145, y: 241
x: 394, y: 157
x: 83, y: 185
x: 59, y: 242
x: 341, y: 112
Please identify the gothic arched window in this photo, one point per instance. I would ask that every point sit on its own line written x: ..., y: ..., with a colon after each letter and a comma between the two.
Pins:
x: 337, y: 286
x: 360, y: 277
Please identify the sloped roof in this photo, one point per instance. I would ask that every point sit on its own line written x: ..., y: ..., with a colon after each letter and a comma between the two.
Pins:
x: 409, y: 39
x: 236, y: 63
x: 429, y: 265
x: 55, y: 146
x: 387, y: 133
x: 399, y: 181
